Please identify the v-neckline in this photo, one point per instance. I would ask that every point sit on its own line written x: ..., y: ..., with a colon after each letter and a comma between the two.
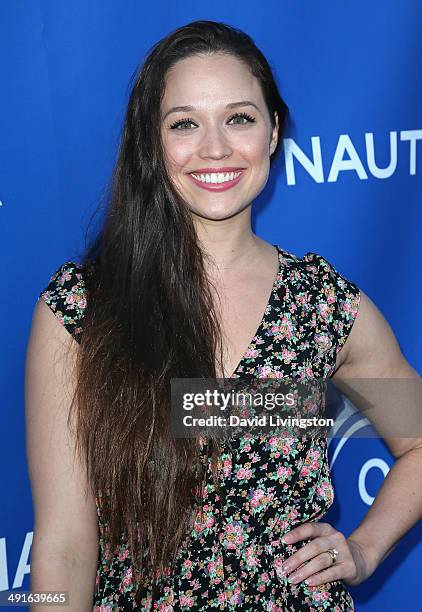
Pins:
x: 261, y: 324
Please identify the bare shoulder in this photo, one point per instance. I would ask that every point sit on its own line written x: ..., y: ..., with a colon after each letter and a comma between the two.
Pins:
x: 65, y: 507
x: 371, y: 349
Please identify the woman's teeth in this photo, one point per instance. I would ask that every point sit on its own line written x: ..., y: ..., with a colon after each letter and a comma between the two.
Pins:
x: 214, y: 177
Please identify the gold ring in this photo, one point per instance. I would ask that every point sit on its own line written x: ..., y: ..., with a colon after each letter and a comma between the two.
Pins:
x: 334, y: 554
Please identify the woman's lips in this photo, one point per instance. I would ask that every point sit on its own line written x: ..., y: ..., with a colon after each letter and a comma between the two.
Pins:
x: 217, y: 186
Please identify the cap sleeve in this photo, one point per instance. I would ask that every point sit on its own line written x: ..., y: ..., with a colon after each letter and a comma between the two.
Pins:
x: 338, y: 298
x: 65, y: 295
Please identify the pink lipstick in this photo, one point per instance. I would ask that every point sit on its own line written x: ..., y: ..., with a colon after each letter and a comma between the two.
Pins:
x: 217, y: 186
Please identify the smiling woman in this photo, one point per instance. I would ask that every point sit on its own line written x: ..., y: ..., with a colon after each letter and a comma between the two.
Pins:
x: 176, y: 285
x: 228, y: 119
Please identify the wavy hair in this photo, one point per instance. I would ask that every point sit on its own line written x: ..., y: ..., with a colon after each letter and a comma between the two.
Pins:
x: 150, y: 317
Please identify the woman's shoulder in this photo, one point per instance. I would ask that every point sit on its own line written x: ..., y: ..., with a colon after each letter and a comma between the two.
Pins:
x: 319, y: 272
x: 317, y: 283
x: 66, y: 294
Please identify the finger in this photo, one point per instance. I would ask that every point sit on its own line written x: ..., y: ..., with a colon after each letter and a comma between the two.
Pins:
x: 307, y: 530
x: 315, y: 565
x: 329, y: 575
x: 307, y: 552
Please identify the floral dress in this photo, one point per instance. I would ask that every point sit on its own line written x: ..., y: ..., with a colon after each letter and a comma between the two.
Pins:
x: 232, y: 559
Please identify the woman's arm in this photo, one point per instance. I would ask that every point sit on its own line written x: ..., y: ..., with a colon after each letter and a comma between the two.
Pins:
x: 393, y: 392
x: 65, y: 544
x: 373, y: 366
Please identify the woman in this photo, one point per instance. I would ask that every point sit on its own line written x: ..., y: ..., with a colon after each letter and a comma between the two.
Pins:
x: 176, y: 285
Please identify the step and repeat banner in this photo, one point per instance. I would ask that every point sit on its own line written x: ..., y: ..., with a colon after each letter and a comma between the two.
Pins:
x: 347, y: 185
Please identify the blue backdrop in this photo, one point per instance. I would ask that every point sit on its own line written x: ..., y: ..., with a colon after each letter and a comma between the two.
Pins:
x: 347, y: 186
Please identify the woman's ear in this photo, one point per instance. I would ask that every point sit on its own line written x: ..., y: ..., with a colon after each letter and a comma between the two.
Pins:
x: 274, y: 135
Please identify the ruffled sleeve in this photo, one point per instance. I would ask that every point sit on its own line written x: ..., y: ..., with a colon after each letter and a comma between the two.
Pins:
x: 338, y: 298
x: 65, y: 295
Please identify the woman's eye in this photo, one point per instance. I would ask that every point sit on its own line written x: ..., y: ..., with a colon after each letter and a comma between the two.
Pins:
x: 248, y: 118
x: 177, y: 124
x: 244, y: 120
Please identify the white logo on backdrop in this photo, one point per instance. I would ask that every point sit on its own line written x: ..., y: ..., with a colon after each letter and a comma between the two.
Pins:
x: 315, y: 165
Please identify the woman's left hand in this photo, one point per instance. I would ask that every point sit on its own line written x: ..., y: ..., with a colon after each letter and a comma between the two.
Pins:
x: 353, y: 564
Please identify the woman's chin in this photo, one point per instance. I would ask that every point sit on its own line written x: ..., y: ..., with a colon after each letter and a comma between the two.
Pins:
x: 216, y: 213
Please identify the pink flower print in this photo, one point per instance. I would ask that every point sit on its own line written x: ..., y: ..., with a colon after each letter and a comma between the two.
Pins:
x: 210, y: 522
x: 261, y: 498
x: 304, y: 471
x: 212, y: 566
x: 287, y: 355
x: 251, y: 353
x: 227, y: 467
x: 233, y: 535
x: 346, y: 307
x: 186, y: 601
x: 323, y: 310
x: 251, y: 558
x: 293, y: 514
x: 219, y: 572
x: 286, y: 329
x: 277, y: 374
x: 326, y: 491
x: 301, y: 299
x: 235, y: 597
x: 187, y: 563
x: 278, y: 566
x: 322, y: 341
x: 64, y: 277
x: 284, y: 472
x: 123, y: 555
x: 264, y: 372
x: 314, y: 465
x: 244, y: 473
x: 127, y: 579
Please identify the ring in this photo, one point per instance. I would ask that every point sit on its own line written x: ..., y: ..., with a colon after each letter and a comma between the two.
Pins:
x: 334, y: 554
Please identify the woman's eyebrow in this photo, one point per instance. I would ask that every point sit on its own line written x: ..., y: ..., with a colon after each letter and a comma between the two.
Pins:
x: 187, y: 109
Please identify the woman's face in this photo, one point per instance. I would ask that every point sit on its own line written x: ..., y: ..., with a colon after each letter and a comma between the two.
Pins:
x: 216, y: 138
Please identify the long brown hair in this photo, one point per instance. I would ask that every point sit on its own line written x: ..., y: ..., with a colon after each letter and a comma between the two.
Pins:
x: 150, y: 317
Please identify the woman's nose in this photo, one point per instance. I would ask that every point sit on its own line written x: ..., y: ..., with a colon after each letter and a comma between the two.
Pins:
x: 215, y: 144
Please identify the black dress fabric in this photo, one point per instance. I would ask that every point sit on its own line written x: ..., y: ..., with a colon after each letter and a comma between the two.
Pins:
x: 233, y: 557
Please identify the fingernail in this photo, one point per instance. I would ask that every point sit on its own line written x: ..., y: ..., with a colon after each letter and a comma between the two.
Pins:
x: 294, y: 578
